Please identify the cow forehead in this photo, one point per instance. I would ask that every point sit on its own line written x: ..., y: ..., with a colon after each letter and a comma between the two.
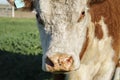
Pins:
x: 60, y: 11
x: 47, y: 6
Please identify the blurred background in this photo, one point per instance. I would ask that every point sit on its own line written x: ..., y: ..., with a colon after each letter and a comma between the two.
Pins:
x: 20, y: 50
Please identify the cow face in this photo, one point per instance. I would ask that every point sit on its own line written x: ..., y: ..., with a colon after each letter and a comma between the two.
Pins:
x: 63, y: 27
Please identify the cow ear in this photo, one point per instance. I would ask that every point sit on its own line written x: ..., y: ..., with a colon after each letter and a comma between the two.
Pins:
x: 92, y: 2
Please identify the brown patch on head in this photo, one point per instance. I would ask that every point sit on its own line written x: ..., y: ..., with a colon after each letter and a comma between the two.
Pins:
x: 98, y: 31
x: 110, y: 10
x: 98, y: 10
x: 91, y: 2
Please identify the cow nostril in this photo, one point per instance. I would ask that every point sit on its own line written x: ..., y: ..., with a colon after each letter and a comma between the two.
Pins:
x: 49, y: 62
x: 70, y: 59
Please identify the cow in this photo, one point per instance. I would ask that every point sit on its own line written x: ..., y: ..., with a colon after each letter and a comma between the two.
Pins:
x: 80, y: 38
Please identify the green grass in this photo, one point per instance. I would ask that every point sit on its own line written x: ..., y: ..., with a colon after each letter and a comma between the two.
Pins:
x: 19, y: 36
x: 20, y: 50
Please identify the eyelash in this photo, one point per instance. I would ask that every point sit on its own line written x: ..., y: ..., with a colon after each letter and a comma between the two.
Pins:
x: 81, y: 16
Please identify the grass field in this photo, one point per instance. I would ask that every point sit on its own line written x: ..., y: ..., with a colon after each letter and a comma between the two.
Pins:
x: 20, y: 50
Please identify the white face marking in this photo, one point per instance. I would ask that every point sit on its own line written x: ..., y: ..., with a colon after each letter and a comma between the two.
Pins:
x: 61, y: 32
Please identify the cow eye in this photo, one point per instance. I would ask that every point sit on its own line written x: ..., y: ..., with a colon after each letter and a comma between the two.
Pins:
x: 81, y: 16
x: 83, y: 13
x: 39, y: 19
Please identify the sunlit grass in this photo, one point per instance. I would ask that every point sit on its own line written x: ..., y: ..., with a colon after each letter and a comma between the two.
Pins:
x: 19, y: 35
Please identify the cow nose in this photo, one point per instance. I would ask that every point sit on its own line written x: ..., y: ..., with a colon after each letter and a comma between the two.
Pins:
x: 59, y: 63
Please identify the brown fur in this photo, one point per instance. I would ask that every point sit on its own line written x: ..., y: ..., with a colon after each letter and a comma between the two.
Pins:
x: 98, y: 31
x: 110, y: 10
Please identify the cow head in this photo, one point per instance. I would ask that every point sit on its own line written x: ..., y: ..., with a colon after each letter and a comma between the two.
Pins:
x: 63, y: 27
x: 63, y: 30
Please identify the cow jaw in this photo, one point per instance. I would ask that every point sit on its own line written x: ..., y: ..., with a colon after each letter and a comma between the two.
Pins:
x: 63, y: 31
